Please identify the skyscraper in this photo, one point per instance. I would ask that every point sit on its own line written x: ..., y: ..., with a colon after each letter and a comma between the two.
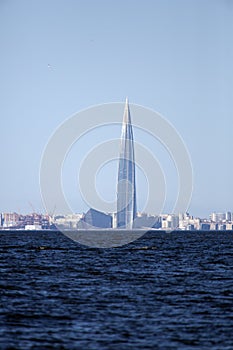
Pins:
x: 126, y: 188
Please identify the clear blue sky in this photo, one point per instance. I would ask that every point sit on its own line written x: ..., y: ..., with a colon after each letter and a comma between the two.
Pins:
x: 172, y: 56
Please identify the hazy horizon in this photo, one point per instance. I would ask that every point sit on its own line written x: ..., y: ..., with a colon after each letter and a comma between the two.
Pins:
x: 60, y: 57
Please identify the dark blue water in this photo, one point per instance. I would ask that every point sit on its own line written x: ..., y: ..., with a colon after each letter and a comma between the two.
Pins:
x: 169, y: 291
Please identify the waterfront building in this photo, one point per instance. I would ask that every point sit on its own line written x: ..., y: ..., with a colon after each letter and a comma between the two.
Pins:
x: 170, y: 222
x: 126, y: 187
x: 228, y: 216
x: 229, y: 226
x: 1, y: 219
x: 190, y: 227
x: 69, y: 221
x: 114, y: 220
x: 95, y: 219
x: 205, y: 226
x: 214, y: 226
x: 9, y: 219
x: 144, y: 220
x: 222, y: 227
x: 218, y: 217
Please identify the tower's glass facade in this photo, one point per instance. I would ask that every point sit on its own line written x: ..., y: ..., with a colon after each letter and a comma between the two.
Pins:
x: 126, y: 188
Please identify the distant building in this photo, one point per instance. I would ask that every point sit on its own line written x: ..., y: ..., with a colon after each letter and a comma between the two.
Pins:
x: 1, y: 219
x: 9, y: 219
x: 191, y: 227
x: 126, y: 187
x: 205, y: 226
x: 170, y: 222
x: 147, y: 221
x: 69, y: 221
x: 217, y: 217
x: 214, y: 226
x: 229, y: 226
x: 229, y: 216
x: 114, y: 220
x: 95, y: 219
x: 222, y: 227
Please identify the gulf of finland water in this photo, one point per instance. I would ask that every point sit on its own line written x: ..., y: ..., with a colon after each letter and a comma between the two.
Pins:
x: 164, y: 291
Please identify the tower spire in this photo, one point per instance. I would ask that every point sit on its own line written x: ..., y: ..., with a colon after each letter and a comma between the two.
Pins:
x: 126, y: 117
x: 126, y: 188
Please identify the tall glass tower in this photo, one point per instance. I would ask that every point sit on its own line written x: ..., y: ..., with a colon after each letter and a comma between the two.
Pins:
x: 126, y: 188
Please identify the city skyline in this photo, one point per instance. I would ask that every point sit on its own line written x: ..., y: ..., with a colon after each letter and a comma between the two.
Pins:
x: 178, y: 62
x: 98, y: 220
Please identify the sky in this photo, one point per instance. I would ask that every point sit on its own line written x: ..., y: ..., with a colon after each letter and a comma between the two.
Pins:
x: 61, y: 56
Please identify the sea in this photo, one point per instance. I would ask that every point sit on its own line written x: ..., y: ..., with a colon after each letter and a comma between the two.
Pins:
x: 164, y: 291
